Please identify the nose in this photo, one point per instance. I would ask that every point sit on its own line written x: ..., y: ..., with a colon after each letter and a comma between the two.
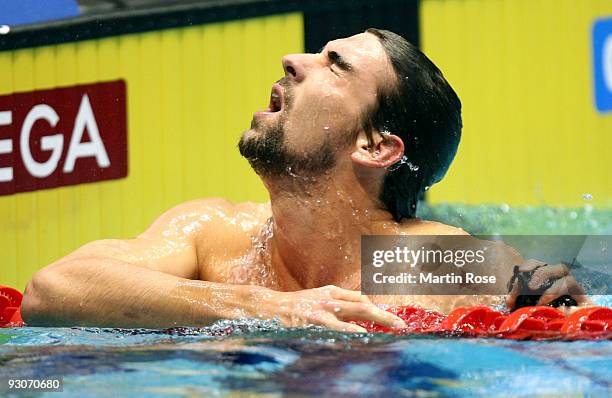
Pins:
x: 294, y: 67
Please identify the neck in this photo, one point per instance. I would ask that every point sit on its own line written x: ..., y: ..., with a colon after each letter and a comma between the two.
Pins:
x: 317, y: 229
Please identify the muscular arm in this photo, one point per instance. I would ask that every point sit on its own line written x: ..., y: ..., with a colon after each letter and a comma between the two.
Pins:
x: 150, y: 282
x: 499, y: 261
x: 140, y: 282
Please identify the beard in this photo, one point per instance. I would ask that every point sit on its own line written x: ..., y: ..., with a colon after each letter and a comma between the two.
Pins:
x: 269, y: 155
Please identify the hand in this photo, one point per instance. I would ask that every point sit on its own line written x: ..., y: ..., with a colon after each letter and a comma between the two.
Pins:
x: 328, y: 306
x: 558, y: 279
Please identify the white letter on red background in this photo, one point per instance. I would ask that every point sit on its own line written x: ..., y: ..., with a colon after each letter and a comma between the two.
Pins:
x: 77, y: 149
x: 6, y: 146
x: 48, y: 143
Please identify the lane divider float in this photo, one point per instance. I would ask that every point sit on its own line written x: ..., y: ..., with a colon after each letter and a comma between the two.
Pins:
x: 527, y: 323
x: 10, y: 311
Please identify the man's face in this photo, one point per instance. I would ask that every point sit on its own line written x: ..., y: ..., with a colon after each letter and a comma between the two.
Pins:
x: 317, y: 107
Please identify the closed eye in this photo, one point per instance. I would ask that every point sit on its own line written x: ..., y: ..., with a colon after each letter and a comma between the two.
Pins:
x: 335, y: 58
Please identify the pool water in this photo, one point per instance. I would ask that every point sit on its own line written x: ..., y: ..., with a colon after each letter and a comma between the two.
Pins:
x: 262, y: 360
x: 256, y: 358
x: 503, y: 219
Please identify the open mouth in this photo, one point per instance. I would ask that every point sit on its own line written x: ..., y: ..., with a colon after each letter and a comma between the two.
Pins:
x: 276, y: 99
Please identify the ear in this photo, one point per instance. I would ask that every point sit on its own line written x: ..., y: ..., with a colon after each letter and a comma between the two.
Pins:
x: 384, y: 153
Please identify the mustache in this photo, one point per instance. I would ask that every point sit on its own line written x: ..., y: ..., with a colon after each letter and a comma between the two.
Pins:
x: 284, y: 82
x: 287, y: 86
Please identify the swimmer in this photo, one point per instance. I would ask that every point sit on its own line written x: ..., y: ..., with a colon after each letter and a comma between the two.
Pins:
x: 350, y: 140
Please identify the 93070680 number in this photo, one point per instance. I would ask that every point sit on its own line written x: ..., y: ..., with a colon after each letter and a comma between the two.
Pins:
x: 49, y: 385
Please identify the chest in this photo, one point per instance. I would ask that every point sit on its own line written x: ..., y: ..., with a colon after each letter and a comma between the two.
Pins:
x: 239, y: 263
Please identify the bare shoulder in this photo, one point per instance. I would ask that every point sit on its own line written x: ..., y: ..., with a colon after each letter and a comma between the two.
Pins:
x: 195, y: 216
x: 418, y: 226
x: 214, y: 226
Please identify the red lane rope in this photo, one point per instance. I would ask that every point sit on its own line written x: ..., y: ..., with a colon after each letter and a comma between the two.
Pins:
x: 10, y: 311
x: 527, y: 323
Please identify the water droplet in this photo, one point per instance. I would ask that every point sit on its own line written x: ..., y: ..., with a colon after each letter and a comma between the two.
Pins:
x: 505, y: 208
x: 573, y: 215
x: 4, y: 29
x: 412, y: 167
x: 587, y: 196
x: 326, y: 128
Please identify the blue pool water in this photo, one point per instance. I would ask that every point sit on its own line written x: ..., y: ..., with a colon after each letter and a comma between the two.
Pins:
x: 261, y: 360
x: 246, y: 358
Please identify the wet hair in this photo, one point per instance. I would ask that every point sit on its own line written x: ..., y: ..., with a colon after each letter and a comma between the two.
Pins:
x: 423, y: 110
